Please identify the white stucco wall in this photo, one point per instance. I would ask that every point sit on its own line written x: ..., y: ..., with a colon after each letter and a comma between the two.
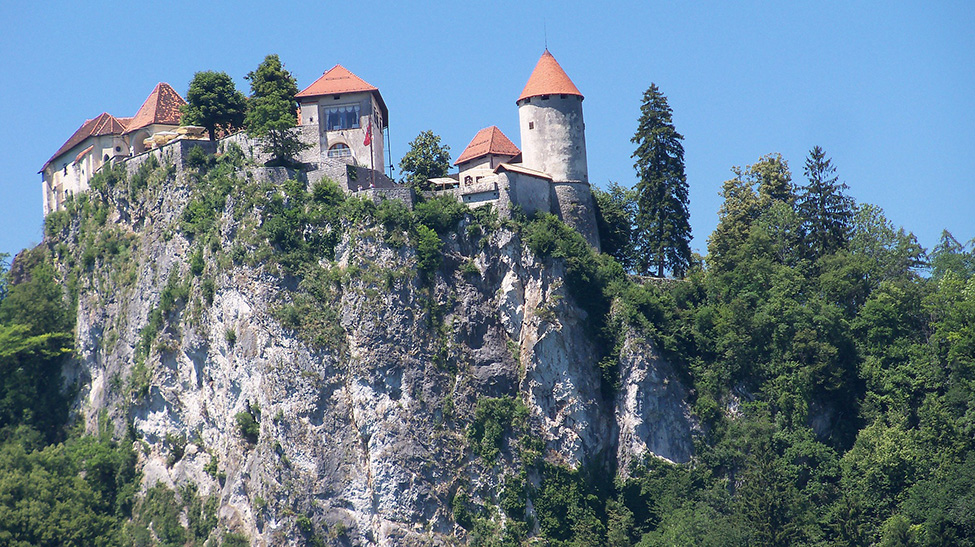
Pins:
x: 553, y: 137
x: 314, y: 108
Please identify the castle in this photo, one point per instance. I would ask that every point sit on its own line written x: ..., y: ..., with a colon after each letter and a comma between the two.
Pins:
x: 343, y: 119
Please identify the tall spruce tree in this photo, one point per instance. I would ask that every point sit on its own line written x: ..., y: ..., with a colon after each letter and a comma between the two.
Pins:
x: 663, y: 231
x: 827, y: 213
x: 271, y: 111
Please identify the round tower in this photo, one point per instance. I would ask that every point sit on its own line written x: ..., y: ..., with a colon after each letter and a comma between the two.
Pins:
x: 553, y: 133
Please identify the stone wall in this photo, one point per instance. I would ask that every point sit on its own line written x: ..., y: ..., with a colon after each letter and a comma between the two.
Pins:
x: 573, y: 203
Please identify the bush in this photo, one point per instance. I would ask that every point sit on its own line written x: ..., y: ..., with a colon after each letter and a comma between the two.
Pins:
x: 428, y: 247
x: 248, y: 427
x: 56, y: 223
x: 492, y: 418
x: 441, y: 213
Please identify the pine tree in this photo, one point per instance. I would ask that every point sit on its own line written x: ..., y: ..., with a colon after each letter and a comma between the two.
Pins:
x: 827, y: 213
x: 663, y: 232
x: 271, y: 110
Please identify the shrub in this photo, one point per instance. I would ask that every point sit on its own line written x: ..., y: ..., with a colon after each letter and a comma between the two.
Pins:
x: 248, y: 427
x: 428, y: 247
x: 56, y: 223
x: 196, y: 262
x: 492, y: 418
x: 441, y: 213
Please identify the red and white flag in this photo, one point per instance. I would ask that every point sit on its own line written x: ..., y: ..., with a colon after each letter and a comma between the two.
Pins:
x: 368, y: 140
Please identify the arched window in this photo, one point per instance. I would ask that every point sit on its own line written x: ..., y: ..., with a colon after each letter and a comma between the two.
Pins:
x: 106, y: 158
x: 339, y: 150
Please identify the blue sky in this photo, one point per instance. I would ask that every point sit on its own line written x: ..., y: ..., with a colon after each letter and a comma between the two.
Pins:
x: 886, y: 88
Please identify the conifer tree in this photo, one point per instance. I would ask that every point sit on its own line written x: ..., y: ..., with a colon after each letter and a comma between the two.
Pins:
x: 663, y: 231
x: 214, y: 103
x: 271, y: 110
x: 826, y: 211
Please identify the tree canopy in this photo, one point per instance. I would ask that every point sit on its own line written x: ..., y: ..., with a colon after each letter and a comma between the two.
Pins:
x: 213, y: 102
x: 271, y: 110
x: 663, y: 230
x: 427, y: 158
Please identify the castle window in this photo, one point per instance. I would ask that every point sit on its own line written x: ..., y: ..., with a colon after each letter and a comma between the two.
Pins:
x: 66, y: 169
x: 339, y: 151
x: 468, y: 179
x: 106, y: 157
x: 118, y: 148
x: 544, y: 97
x: 342, y: 117
x: 531, y: 125
x: 562, y: 96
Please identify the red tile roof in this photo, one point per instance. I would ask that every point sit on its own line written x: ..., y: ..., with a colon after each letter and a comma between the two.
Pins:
x: 104, y: 124
x: 83, y: 152
x: 162, y: 106
x: 338, y: 80
x: 548, y: 78
x: 489, y: 140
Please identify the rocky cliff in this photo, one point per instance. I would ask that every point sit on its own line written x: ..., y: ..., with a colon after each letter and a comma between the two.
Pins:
x: 344, y: 399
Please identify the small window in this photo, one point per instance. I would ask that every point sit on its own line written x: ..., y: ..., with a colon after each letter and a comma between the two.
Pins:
x: 544, y: 97
x: 106, y: 156
x: 562, y: 96
x: 118, y: 148
x: 339, y: 151
x: 468, y: 179
x: 336, y: 97
x: 531, y: 125
x: 66, y: 169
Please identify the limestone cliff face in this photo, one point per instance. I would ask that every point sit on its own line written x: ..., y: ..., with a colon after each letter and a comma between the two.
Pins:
x: 364, y: 434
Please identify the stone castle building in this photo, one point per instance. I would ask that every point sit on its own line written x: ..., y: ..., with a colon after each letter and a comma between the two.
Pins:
x: 106, y: 138
x: 549, y: 173
x: 343, y: 118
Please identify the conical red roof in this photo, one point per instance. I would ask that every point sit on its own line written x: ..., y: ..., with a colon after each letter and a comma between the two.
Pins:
x: 338, y: 80
x: 162, y: 106
x: 548, y: 78
x: 489, y: 140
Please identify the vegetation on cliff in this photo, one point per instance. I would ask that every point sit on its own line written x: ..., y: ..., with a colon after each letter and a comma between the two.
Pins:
x: 830, y: 364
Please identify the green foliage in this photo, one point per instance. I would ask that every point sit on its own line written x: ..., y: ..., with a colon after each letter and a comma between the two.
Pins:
x: 56, y: 223
x: 615, y: 211
x: 304, y: 227
x: 826, y: 211
x: 662, y: 231
x: 79, y: 492
x: 214, y: 103
x: 140, y: 179
x: 271, y: 111
x: 426, y: 159
x: 428, y: 246
x: 247, y: 426
x: 493, y: 417
x: 442, y: 213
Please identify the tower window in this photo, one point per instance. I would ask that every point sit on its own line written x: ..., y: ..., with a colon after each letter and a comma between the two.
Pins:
x: 106, y: 157
x: 562, y: 96
x: 339, y: 151
x: 118, y: 148
x: 342, y: 117
x: 531, y: 125
x: 544, y: 97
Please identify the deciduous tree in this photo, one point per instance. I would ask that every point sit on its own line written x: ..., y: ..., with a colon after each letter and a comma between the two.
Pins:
x: 663, y: 230
x: 426, y: 159
x: 214, y: 103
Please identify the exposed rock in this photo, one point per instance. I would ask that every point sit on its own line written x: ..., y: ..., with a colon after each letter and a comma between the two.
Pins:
x: 366, y: 435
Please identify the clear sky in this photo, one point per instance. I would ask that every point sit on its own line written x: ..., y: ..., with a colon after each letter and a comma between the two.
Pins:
x: 886, y: 88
